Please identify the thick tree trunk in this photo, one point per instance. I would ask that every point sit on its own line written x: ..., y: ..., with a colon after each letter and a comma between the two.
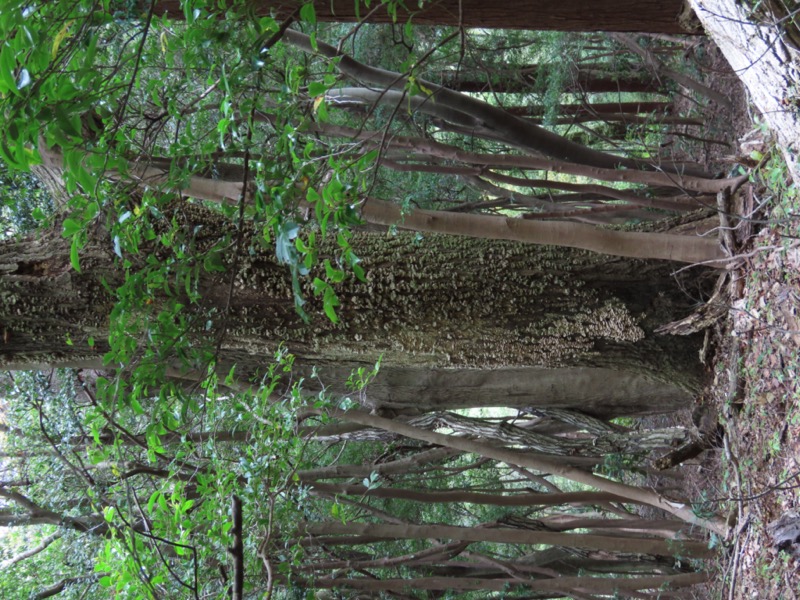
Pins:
x: 656, y: 16
x: 602, y: 392
x: 440, y: 301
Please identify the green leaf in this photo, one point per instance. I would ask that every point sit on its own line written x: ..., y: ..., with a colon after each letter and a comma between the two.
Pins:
x: 359, y: 273
x: 335, y: 275
x: 213, y: 263
x: 329, y: 302
x: 152, y: 501
x: 136, y: 406
x: 73, y: 254
x: 69, y: 124
x: 316, y: 88
x: 322, y: 111
x: 7, y: 67
x: 71, y: 227
x: 308, y: 14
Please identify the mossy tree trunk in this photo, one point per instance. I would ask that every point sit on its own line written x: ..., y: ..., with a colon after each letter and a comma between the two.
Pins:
x: 428, y: 302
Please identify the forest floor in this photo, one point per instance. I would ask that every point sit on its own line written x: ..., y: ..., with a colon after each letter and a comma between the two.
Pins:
x: 755, y: 393
x: 754, y: 379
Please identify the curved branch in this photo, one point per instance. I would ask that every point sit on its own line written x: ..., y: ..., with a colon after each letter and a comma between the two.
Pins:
x: 514, y: 130
x: 41, y: 547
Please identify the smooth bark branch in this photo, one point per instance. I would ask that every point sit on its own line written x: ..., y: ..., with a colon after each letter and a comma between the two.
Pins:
x: 448, y: 496
x: 511, y: 161
x: 60, y: 586
x: 581, y: 78
x: 561, y: 585
x: 430, y: 556
x: 659, y: 70
x: 572, y: 235
x: 511, y: 536
x: 682, y: 511
x: 394, y: 467
x: 237, y: 550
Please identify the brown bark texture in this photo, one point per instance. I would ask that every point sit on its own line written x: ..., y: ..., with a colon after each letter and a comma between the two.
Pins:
x: 508, y: 536
x: 439, y: 301
x: 765, y: 59
x: 656, y: 16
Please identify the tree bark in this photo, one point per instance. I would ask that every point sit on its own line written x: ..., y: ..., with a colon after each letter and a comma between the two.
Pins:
x: 561, y: 585
x: 443, y: 301
x: 506, y: 536
x: 662, y: 246
x: 602, y: 392
x: 656, y: 16
x: 767, y: 63
x: 451, y: 496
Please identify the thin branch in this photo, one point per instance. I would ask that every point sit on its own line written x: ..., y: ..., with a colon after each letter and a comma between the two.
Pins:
x: 33, y: 551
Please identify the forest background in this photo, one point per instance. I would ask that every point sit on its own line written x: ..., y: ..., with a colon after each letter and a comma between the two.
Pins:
x: 344, y: 301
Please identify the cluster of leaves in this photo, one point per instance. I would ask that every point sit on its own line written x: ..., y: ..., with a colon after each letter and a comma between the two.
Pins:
x: 25, y: 202
x: 150, y: 474
x: 107, y: 92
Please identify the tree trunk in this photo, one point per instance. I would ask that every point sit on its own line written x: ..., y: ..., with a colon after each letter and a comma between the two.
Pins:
x: 767, y: 63
x: 603, y: 392
x: 506, y: 536
x: 656, y: 16
x: 589, y: 448
x: 563, y: 586
x: 441, y: 301
x: 535, y: 499
x: 663, y: 246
